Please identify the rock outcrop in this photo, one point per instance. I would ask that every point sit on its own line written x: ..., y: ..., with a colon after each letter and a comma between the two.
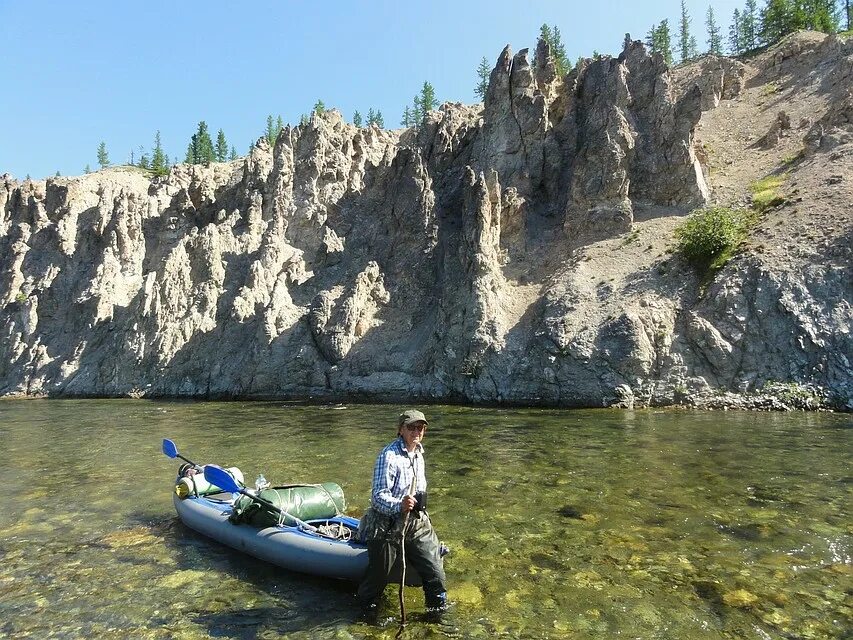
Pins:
x: 490, y: 255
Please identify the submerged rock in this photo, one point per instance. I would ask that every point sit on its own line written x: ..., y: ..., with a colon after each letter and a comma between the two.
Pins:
x: 570, y: 511
x: 740, y: 598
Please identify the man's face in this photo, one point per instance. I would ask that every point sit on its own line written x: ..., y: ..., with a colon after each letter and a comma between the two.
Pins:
x: 413, y: 433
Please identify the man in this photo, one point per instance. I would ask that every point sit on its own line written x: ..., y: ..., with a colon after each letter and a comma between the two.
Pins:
x: 399, y: 488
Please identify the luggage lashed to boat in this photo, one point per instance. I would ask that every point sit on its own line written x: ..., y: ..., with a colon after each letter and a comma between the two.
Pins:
x: 306, y: 529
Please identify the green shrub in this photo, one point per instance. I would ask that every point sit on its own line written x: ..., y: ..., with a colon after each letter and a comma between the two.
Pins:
x: 709, y: 236
x: 770, y: 88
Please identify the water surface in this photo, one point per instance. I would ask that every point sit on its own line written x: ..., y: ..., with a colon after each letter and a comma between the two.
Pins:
x: 563, y: 524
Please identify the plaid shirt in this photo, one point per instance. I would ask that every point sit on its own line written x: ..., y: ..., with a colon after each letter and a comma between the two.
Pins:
x: 392, y: 476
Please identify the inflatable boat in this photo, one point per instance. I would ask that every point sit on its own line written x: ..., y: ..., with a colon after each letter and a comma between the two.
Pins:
x: 207, y: 498
x: 291, y: 547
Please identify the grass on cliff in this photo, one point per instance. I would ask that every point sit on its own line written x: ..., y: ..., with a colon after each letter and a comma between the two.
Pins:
x: 710, y: 236
x: 765, y: 193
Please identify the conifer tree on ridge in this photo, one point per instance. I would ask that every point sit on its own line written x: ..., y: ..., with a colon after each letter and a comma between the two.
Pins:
x: 103, y: 156
x: 483, y: 73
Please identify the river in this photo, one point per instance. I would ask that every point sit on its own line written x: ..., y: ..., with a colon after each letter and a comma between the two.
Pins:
x: 562, y: 524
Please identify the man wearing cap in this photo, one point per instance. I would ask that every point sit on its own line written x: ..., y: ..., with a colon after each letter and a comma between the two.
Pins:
x: 399, y: 487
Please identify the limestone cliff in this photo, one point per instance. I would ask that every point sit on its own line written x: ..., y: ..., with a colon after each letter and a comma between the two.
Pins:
x: 508, y: 252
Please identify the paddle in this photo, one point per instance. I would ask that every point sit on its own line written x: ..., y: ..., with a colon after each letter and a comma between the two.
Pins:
x: 221, y: 478
x: 171, y: 450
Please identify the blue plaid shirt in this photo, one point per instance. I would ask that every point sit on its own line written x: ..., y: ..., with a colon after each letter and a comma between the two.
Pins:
x: 392, y: 476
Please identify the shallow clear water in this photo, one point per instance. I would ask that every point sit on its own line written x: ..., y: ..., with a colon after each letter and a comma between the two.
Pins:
x: 563, y: 524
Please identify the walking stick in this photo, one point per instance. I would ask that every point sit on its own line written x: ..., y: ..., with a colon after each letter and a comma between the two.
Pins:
x: 403, y: 557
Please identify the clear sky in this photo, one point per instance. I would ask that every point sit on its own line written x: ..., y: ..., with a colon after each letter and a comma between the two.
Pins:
x: 76, y: 73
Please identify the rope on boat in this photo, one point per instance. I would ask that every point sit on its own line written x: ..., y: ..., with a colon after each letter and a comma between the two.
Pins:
x: 333, y: 531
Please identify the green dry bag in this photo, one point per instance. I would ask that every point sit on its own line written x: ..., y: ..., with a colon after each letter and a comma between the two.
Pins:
x: 305, y: 501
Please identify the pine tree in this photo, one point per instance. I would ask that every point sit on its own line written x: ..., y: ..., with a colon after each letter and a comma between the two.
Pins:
x: 221, y: 152
x: 558, y: 50
x: 658, y: 40
x: 483, y: 73
x: 799, y: 15
x: 87, y: 169
x: 417, y: 111
x: 143, y: 162
x: 817, y: 15
x: 694, y: 48
x: 159, y: 162
x: 684, y: 33
x: 371, y: 116
x: 735, y: 34
x: 379, y: 120
x: 356, y: 119
x: 270, y: 132
x: 715, y: 39
x: 233, y: 154
x: 427, y: 98
x: 545, y: 33
x: 822, y: 16
x: 651, y: 39
x: 407, y: 118
x: 132, y: 159
x: 58, y: 174
x: 551, y: 36
x: 279, y: 125
x: 203, y: 144
x: 848, y: 13
x: 776, y: 20
x: 200, y: 149
x: 749, y: 26
x: 664, y: 41
x: 103, y: 156
x: 319, y: 108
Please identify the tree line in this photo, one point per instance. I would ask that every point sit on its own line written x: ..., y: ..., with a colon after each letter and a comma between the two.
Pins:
x: 751, y: 28
x: 201, y: 148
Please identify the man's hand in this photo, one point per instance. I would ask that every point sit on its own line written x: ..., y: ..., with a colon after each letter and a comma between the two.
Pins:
x: 407, y: 504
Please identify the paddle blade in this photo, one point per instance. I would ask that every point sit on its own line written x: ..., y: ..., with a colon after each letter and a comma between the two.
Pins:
x: 219, y: 477
x: 169, y: 448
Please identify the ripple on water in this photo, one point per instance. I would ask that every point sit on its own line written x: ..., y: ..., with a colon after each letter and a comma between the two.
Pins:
x: 562, y: 524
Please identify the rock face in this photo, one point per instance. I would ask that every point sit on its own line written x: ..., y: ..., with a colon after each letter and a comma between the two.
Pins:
x: 450, y: 262
x: 717, y: 77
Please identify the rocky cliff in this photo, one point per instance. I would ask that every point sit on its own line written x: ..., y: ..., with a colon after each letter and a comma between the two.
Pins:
x: 510, y: 252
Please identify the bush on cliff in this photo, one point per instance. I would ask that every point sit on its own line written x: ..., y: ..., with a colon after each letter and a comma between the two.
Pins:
x: 709, y: 236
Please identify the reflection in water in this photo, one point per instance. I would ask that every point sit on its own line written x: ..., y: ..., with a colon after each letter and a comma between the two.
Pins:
x: 563, y: 524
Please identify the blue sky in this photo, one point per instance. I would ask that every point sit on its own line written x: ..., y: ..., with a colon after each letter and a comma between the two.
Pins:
x: 76, y: 73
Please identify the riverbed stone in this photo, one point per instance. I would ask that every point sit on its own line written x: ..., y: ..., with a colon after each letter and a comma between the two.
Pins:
x: 740, y: 598
x: 466, y: 593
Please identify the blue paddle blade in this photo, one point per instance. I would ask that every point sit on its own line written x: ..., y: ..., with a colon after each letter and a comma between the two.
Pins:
x: 169, y: 448
x: 219, y: 477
